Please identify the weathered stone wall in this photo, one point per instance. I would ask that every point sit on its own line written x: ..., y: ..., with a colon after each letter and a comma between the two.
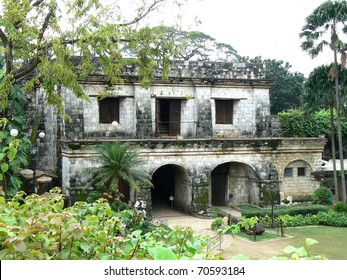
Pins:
x: 202, y: 144
x: 250, y: 160
x: 243, y: 185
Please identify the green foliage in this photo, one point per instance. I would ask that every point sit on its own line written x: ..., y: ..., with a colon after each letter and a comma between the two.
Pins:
x: 245, y: 224
x: 324, y: 20
x: 320, y: 89
x: 118, y: 161
x: 321, y: 218
x: 301, y: 253
x: 12, y: 158
x: 340, y: 207
x: 39, y: 228
x: 288, y: 87
x: 201, y: 199
x: 323, y: 195
x: 286, y: 210
x: 298, y: 123
x: 217, y: 223
x: 38, y: 45
x: 293, y: 253
x: 287, y: 90
x: 196, y: 45
x: 13, y: 152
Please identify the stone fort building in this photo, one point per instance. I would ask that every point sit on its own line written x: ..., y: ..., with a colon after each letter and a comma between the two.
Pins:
x: 205, y: 134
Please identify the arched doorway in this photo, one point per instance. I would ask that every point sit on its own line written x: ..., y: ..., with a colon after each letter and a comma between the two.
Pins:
x: 234, y: 183
x: 171, y: 180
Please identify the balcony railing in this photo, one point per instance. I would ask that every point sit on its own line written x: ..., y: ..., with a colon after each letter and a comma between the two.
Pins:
x: 167, y: 129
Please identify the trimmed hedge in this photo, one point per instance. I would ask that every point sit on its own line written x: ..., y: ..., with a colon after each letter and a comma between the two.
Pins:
x: 330, y: 218
x: 287, y: 210
x: 340, y: 207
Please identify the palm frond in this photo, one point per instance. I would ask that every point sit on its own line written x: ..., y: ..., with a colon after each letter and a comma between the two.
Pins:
x: 119, y: 161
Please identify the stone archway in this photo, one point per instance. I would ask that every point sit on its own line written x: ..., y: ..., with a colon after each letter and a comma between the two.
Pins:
x: 173, y: 180
x: 234, y: 183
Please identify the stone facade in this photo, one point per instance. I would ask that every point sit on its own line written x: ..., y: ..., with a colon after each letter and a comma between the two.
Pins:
x: 192, y: 145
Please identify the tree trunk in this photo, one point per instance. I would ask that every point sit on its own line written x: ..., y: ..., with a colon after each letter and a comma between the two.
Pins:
x: 333, y: 150
x: 339, y: 132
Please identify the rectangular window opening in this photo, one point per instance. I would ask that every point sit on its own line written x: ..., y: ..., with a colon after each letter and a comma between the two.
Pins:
x: 224, y: 111
x: 288, y: 172
x: 108, y: 110
x: 301, y: 171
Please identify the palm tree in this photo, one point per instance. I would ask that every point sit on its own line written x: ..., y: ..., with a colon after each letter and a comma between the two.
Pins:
x: 319, y: 93
x: 326, y: 19
x: 119, y: 162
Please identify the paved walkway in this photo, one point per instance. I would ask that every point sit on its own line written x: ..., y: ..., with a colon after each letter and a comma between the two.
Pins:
x: 200, y: 226
x: 230, y: 245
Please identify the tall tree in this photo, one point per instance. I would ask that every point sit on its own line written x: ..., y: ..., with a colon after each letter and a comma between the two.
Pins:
x: 320, y: 93
x: 287, y: 90
x: 288, y: 86
x: 196, y: 45
x: 40, y: 38
x: 329, y: 18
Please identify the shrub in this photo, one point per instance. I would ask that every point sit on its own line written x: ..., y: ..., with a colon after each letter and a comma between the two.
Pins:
x: 340, y: 207
x: 286, y: 210
x: 217, y: 223
x: 39, y: 227
x: 323, y: 195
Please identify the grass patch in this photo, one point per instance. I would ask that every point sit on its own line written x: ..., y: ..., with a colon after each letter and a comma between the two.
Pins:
x: 332, y: 240
x: 248, y: 207
x: 264, y: 236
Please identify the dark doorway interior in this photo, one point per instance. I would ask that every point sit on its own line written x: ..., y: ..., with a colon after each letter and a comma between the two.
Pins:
x: 164, y: 186
x: 168, y: 117
x: 219, y: 184
x: 125, y: 190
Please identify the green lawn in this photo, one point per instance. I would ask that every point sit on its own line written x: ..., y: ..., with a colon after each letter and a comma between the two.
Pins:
x: 332, y: 240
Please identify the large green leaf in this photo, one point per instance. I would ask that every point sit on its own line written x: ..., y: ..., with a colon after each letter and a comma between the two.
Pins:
x: 4, y: 167
x: 161, y: 253
x: 310, y: 241
x: 19, y: 245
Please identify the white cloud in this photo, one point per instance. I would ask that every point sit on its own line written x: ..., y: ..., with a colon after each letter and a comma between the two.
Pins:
x: 266, y: 28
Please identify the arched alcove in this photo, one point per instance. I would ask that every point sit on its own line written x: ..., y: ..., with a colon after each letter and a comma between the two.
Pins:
x: 173, y: 180
x: 234, y: 183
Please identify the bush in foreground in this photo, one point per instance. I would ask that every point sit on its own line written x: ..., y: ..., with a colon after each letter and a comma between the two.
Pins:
x: 39, y: 228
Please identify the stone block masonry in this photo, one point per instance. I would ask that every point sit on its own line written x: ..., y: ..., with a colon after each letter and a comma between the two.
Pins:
x: 206, y: 151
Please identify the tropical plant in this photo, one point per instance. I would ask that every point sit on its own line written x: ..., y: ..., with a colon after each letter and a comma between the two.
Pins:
x: 320, y: 93
x: 327, y: 19
x: 119, y: 162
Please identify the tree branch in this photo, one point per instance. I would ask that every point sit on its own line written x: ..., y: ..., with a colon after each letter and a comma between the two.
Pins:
x: 144, y: 13
x: 26, y: 69
x: 45, y: 25
x: 3, y: 37
x: 8, y: 56
x: 36, y: 3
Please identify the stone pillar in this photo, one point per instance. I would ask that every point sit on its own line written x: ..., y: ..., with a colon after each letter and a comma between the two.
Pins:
x: 143, y: 113
x: 204, y: 113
